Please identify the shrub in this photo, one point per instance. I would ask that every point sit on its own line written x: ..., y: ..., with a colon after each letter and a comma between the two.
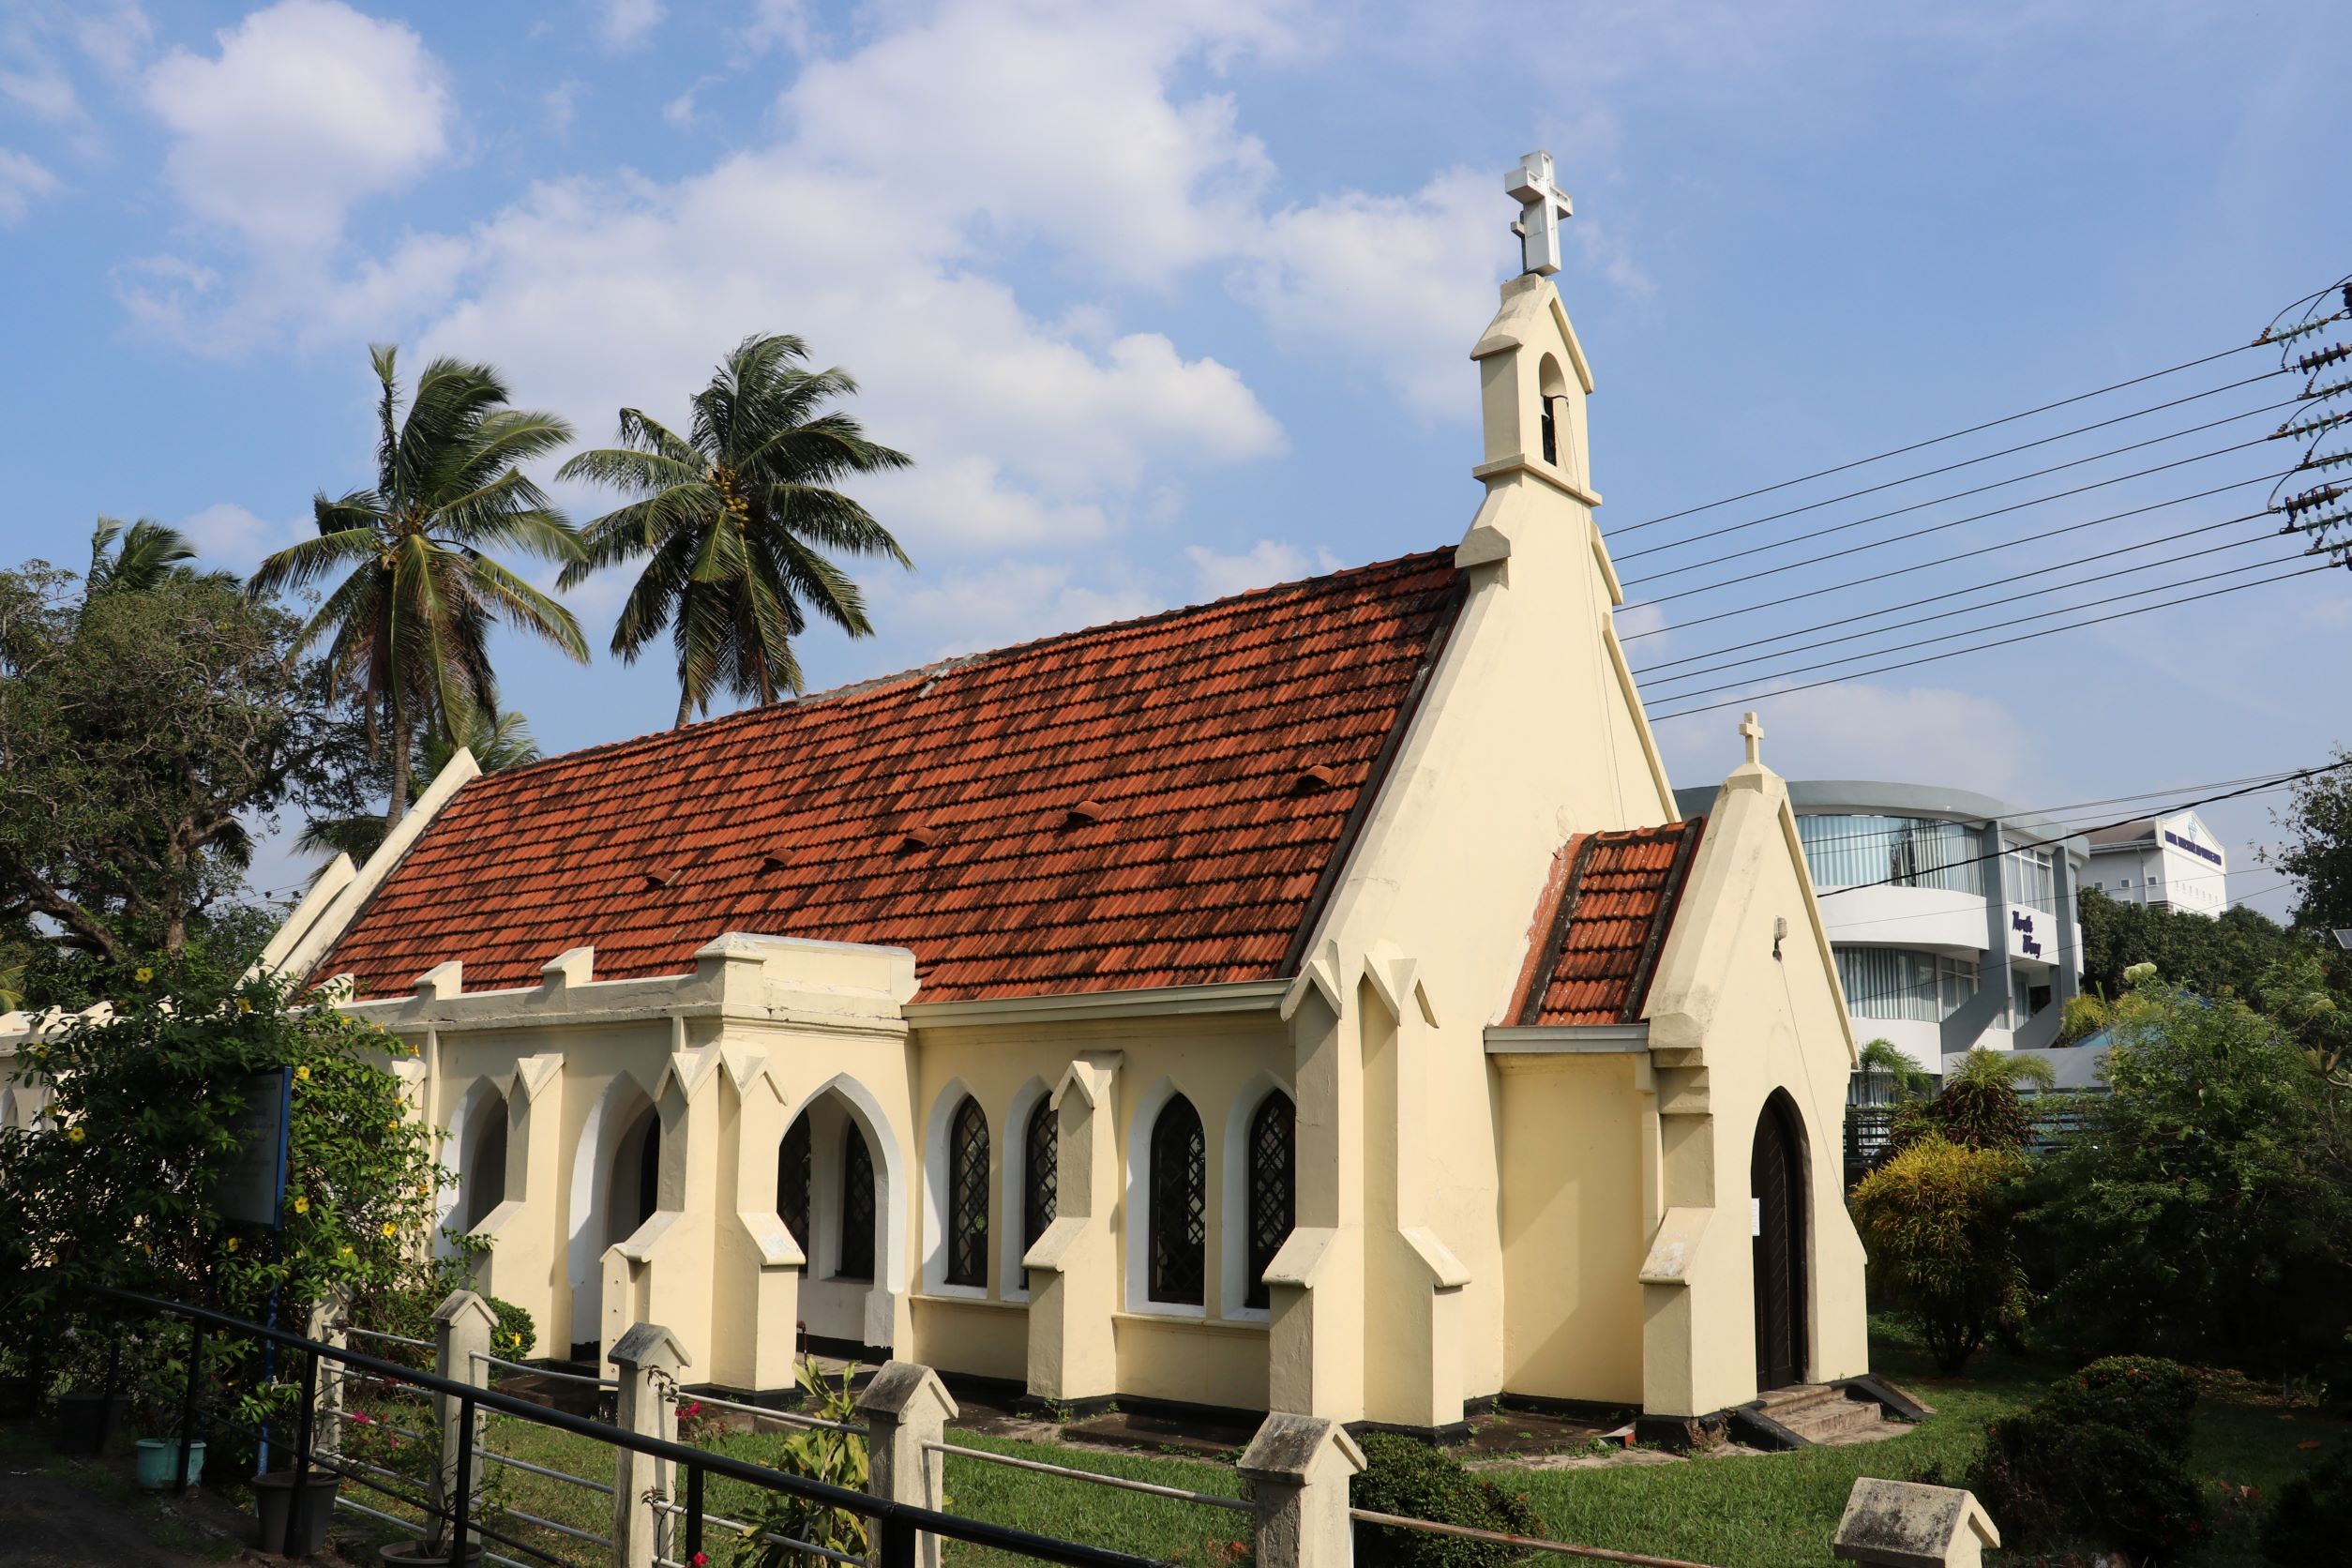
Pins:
x: 2058, y: 1484
x: 516, y: 1336
x: 2145, y: 1394
x: 2311, y: 1525
x: 1410, y: 1478
x: 1939, y: 1221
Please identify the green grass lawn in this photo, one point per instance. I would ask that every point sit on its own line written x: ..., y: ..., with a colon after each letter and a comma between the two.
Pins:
x: 1773, y: 1510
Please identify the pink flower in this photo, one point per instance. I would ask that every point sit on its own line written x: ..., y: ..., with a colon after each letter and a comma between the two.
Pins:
x: 700, y: 1559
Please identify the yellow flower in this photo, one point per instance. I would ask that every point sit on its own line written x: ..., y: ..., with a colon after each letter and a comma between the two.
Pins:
x: 143, y: 974
x: 244, y: 1006
x: 232, y: 1243
x: 302, y: 1205
x: 303, y: 1072
x: 347, y: 1251
x: 75, y: 1135
x: 390, y: 1229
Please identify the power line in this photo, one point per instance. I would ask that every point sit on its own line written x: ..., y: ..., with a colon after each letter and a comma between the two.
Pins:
x: 2045, y: 843
x: 1940, y: 615
x: 1914, y: 533
x: 2056, y: 815
x: 2015, y: 479
x: 2003, y: 642
x: 1965, y: 554
x: 1933, y: 598
x: 1945, y: 637
x: 1936, y: 441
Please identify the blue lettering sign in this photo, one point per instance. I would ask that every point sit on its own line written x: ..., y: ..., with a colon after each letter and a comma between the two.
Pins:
x: 2196, y: 849
x: 2021, y: 922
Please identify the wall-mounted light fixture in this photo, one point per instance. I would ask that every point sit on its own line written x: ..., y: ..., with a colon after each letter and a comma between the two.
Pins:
x: 1780, y: 933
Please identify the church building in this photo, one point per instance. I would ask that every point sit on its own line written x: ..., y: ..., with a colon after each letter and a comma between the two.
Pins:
x: 1312, y: 1001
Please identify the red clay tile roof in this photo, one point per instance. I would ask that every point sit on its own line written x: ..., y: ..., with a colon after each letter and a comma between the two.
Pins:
x: 1600, y: 924
x: 945, y: 811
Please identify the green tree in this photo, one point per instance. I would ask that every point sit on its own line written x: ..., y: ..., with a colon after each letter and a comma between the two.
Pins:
x: 498, y: 740
x: 2317, y: 853
x: 144, y: 737
x: 408, y: 622
x: 138, y: 558
x: 2210, y: 956
x: 1939, y: 1221
x: 2195, y: 1210
x: 733, y: 520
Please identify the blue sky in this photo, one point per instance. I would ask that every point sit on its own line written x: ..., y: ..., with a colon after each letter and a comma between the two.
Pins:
x: 1172, y: 299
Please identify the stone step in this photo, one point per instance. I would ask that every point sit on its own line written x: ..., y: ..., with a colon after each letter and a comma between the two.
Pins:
x: 1821, y: 1423
x: 1780, y: 1402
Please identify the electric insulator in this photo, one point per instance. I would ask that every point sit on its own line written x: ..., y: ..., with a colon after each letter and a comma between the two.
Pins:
x: 2328, y: 356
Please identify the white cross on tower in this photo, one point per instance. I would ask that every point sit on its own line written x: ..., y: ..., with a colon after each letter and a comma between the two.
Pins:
x: 1753, y: 732
x: 1542, y: 205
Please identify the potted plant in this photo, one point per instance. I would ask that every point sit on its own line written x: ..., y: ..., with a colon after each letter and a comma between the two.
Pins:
x: 91, y: 1408
x: 159, y: 1401
x: 401, y: 1441
x: 292, y: 1520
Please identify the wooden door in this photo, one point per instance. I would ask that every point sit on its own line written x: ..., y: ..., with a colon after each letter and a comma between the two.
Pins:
x: 1776, y: 1188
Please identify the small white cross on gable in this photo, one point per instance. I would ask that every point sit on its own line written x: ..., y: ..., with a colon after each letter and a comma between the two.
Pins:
x: 1753, y: 732
x: 1542, y: 205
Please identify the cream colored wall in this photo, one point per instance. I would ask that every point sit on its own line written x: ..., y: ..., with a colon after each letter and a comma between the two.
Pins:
x: 1729, y: 1024
x: 1575, y: 1223
x: 1214, y: 1354
x: 1528, y: 733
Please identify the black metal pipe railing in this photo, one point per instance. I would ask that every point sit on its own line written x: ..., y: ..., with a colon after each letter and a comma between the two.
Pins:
x: 897, y: 1525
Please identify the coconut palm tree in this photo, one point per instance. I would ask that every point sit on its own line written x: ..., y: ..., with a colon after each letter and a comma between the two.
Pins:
x: 733, y: 520
x: 498, y: 741
x: 136, y: 558
x: 409, y: 623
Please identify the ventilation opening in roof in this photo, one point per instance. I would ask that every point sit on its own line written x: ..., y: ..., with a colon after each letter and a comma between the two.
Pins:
x: 1084, y: 811
x: 1314, y: 778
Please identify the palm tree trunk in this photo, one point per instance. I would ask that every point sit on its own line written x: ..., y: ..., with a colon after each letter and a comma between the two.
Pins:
x: 399, y: 805
x: 685, y: 707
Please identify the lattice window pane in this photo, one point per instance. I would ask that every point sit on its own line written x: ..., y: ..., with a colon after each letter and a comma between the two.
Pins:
x: 791, y: 1181
x: 1180, y: 1205
x: 857, y: 1206
x: 1273, y: 1188
x: 1041, y: 1175
x: 968, y: 1195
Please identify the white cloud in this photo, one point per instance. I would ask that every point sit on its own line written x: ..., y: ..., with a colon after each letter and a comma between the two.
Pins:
x: 115, y: 36
x: 1268, y: 561
x: 22, y: 181
x: 1394, y: 285
x: 226, y: 535
x: 562, y: 105
x: 679, y: 110
x: 972, y: 609
x: 777, y: 22
x: 308, y: 108
x: 45, y: 94
x: 627, y: 23
x: 1855, y: 730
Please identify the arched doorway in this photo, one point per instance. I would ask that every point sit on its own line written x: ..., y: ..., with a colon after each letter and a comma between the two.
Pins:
x: 482, y: 1162
x: 837, y: 1191
x: 1777, y: 1191
x: 635, y: 1177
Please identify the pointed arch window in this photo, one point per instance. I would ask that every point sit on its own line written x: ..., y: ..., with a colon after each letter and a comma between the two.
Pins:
x: 1273, y: 1188
x: 968, y: 1195
x: 1180, y: 1205
x: 791, y: 1181
x: 857, y: 1206
x: 1041, y: 1175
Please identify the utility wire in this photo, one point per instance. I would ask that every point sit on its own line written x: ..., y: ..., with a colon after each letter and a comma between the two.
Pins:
x: 1937, y: 441
x: 1945, y: 636
x: 1916, y: 533
x: 1940, y: 615
x: 1981, y: 549
x: 2045, y: 843
x: 2007, y: 451
x: 1932, y: 598
x: 2003, y: 642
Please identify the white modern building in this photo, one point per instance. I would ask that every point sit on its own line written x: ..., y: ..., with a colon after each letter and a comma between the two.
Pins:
x: 1953, y: 913
x: 2166, y: 863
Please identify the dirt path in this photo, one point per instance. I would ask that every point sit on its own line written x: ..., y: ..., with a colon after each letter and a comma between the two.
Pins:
x: 57, y: 1515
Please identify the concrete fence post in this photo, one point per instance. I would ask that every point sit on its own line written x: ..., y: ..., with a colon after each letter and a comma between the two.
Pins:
x: 1299, y: 1466
x: 462, y: 1336
x: 328, y: 1325
x: 649, y: 1358
x: 1902, y: 1523
x: 907, y: 1408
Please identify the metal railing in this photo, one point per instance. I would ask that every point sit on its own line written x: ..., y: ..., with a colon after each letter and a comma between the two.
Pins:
x: 895, y: 1525
x: 1152, y: 1489
x: 790, y: 1418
